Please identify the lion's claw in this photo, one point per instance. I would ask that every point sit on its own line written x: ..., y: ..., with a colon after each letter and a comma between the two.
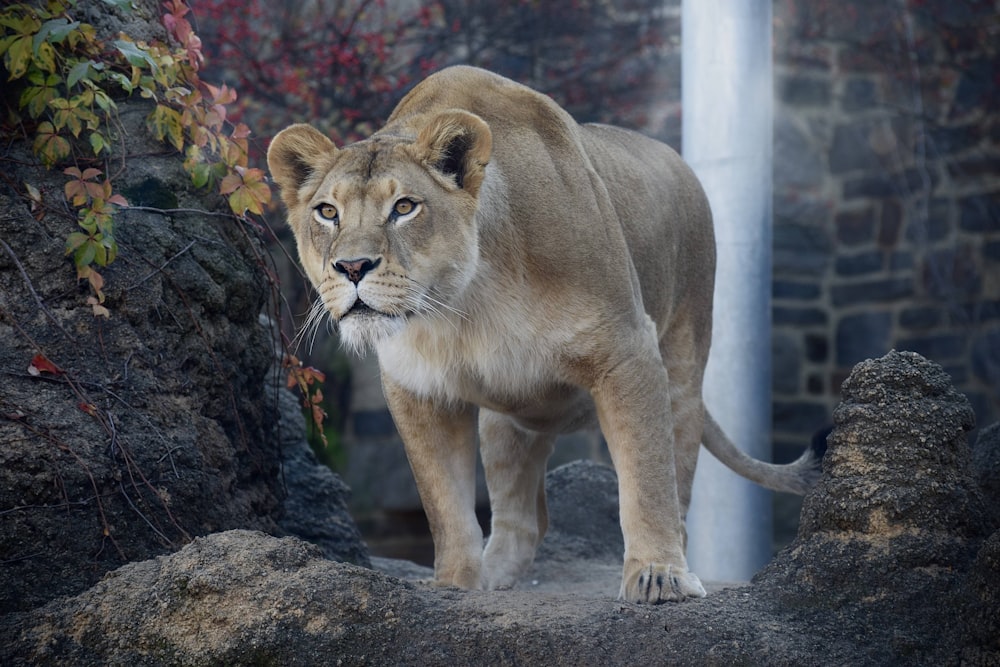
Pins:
x: 662, y: 583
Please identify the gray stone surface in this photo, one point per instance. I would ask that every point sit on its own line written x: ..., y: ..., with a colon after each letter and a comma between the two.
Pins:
x: 894, y: 564
x: 162, y: 424
x: 786, y: 359
x: 986, y: 466
x: 315, y: 507
x: 862, y: 336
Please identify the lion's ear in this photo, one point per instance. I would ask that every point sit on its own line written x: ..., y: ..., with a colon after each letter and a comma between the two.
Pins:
x: 458, y: 144
x: 294, y: 155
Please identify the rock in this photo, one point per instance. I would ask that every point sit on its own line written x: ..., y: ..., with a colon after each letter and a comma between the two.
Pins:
x: 981, y: 617
x: 897, y: 518
x: 891, y: 566
x: 242, y: 597
x: 898, y: 459
x: 160, y: 425
x: 986, y: 465
x: 160, y: 422
x: 315, y: 508
x: 582, y: 499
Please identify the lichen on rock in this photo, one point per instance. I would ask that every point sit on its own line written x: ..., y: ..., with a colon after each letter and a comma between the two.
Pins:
x: 898, y: 458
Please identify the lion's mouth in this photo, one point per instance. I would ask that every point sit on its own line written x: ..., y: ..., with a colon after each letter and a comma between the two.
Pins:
x: 362, y: 309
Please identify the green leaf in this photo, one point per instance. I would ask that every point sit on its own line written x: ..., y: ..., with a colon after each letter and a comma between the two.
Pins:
x: 200, y: 174
x: 45, y: 58
x: 84, y: 255
x: 67, y: 114
x: 18, y: 57
x: 97, y: 142
x: 165, y: 124
x: 75, y: 240
x: 85, y: 33
x: 88, y: 224
x: 103, y: 101
x: 122, y: 80
x: 123, y: 5
x: 86, y: 115
x: 134, y: 55
x: 36, y: 98
x: 6, y: 42
x: 77, y: 72
x: 100, y: 254
x: 25, y: 24
x: 58, y: 29
x: 111, y: 246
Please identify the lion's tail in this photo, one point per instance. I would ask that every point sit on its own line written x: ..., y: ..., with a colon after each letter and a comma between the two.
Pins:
x: 796, y: 477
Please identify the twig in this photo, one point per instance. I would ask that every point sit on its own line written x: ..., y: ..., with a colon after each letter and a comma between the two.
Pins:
x: 121, y: 486
x: 174, y: 211
x: 161, y: 267
x: 106, y: 527
x: 38, y: 299
x: 59, y: 506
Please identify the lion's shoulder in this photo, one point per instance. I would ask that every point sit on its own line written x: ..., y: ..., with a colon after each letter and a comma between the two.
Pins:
x: 520, y: 117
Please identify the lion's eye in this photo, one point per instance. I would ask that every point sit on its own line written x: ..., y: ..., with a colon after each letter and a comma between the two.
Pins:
x: 403, y: 208
x: 327, y: 213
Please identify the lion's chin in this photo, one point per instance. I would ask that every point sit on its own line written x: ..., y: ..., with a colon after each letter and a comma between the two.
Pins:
x: 362, y: 328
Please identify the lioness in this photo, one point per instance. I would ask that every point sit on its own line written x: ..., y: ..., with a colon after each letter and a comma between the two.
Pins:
x: 521, y: 272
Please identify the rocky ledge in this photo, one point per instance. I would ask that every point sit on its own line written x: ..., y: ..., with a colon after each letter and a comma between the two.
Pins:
x: 897, y: 561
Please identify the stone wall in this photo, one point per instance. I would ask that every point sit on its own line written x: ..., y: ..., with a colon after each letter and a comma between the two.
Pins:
x: 886, y: 224
x: 887, y: 199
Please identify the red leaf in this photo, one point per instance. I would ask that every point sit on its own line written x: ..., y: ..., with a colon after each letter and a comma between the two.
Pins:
x: 39, y: 364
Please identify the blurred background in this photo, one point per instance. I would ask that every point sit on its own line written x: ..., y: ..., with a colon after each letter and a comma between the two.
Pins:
x: 886, y: 176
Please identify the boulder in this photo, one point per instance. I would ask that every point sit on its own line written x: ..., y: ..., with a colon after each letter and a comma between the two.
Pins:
x: 315, y: 507
x: 158, y: 422
x: 887, y: 538
x: 124, y: 437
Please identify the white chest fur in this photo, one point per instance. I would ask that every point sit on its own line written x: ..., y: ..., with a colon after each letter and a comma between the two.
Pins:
x: 469, y: 364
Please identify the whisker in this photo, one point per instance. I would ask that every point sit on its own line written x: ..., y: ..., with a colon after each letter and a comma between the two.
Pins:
x: 433, y: 303
x: 461, y: 314
x: 420, y: 300
x: 316, y: 316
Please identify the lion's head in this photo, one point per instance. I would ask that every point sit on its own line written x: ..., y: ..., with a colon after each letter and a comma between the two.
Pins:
x: 385, y: 227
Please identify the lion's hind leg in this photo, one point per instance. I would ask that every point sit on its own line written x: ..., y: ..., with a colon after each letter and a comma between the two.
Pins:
x: 514, y: 462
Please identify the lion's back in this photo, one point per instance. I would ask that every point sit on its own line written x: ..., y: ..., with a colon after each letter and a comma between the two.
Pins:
x: 548, y: 160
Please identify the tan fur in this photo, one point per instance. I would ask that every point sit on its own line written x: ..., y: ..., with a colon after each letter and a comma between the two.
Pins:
x: 554, y: 276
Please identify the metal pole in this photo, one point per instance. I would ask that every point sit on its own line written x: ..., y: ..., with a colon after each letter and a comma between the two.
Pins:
x: 727, y: 139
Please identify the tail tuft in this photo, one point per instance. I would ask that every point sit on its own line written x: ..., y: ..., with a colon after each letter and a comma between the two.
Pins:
x: 818, y: 444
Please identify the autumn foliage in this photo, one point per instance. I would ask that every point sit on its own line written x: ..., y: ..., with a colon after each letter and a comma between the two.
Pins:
x: 344, y: 64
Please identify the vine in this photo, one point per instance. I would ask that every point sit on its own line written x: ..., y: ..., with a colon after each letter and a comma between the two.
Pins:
x: 68, y: 80
x: 67, y: 83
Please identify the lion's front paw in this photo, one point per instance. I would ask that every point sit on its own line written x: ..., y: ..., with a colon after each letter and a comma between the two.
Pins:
x: 656, y: 583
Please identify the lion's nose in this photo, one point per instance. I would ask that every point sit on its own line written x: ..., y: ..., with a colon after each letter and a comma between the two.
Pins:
x: 355, y: 269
